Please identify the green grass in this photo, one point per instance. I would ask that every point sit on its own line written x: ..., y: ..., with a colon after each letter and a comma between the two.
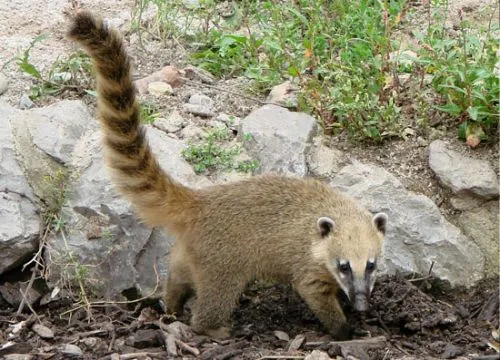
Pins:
x: 213, y: 154
x: 339, y: 53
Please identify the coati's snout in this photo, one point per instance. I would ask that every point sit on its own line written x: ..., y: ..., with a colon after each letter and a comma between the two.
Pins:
x: 355, y: 265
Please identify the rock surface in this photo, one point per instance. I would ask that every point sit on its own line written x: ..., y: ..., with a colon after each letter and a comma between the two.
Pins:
x: 20, y: 221
x: 481, y: 224
x: 278, y: 138
x: 55, y: 129
x: 417, y: 233
x: 4, y: 83
x: 104, y: 234
x: 463, y: 175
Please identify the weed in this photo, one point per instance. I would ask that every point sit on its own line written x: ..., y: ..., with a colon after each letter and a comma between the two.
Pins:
x: 55, y: 197
x: 148, y: 112
x: 212, y: 155
x: 72, y: 73
x: 464, y: 77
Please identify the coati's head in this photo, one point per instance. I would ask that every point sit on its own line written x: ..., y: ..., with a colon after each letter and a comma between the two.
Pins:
x: 351, y: 247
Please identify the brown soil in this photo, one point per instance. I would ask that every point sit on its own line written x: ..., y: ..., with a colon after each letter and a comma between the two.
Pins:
x: 422, y: 324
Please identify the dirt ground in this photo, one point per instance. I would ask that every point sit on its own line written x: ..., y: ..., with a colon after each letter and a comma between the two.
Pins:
x: 270, y: 321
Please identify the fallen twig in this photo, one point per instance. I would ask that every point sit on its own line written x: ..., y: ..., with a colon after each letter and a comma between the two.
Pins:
x: 187, y: 347
x: 281, y: 357
x: 378, y: 341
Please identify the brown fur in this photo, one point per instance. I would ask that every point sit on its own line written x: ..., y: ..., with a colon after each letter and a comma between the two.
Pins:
x: 228, y: 235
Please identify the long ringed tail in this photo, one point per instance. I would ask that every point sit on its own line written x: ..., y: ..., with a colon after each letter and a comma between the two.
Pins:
x: 156, y: 197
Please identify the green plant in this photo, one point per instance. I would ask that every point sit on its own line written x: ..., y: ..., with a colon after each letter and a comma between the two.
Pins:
x: 72, y: 73
x: 338, y: 50
x: 211, y: 154
x: 54, y: 198
x: 464, y: 77
x: 148, y: 112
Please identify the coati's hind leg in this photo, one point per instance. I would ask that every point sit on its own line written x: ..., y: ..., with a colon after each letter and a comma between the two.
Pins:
x: 321, y: 297
x: 216, y: 296
x: 179, y: 286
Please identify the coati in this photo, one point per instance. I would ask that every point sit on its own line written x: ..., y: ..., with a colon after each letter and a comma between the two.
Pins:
x: 269, y: 226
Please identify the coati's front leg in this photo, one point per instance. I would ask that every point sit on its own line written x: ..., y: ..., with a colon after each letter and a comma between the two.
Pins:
x: 321, y: 297
x: 216, y: 296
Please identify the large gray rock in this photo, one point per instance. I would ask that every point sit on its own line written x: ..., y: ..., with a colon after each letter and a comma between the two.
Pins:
x: 103, y: 234
x: 56, y: 128
x: 20, y: 222
x: 463, y: 175
x: 278, y: 138
x: 417, y: 233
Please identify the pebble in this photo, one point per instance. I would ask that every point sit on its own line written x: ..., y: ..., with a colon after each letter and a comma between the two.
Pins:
x: 72, y: 350
x: 43, y: 331
x: 4, y: 83
x: 200, y: 105
x: 158, y: 88
x: 25, y: 102
x: 192, y: 132
x: 172, y: 124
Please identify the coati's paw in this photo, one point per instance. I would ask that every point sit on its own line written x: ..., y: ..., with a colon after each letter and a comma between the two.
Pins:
x: 343, y: 332
x: 219, y: 333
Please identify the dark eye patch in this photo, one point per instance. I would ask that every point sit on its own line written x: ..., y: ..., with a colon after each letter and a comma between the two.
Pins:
x: 344, y: 267
x: 370, y: 266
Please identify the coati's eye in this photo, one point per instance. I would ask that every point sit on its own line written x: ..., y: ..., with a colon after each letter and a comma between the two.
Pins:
x: 344, y: 267
x: 370, y: 266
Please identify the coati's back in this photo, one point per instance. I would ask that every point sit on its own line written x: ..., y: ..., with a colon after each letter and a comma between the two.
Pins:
x: 271, y: 222
x: 299, y: 230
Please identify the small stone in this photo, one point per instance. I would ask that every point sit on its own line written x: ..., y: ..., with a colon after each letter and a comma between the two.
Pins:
x: 452, y: 351
x: 422, y: 142
x: 192, y: 132
x: 194, y: 73
x: 463, y: 175
x: 172, y: 124
x: 282, y: 335
x: 4, y: 83
x: 284, y: 94
x: 158, y: 88
x: 10, y: 293
x: 90, y: 342
x: 231, y: 121
x: 172, y: 76
x: 72, y: 350
x: 43, y: 331
x: 317, y: 355
x: 25, y: 102
x: 146, y: 338
x: 296, y: 343
x: 200, y: 105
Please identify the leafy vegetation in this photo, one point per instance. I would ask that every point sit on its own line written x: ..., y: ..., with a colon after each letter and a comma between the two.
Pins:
x: 148, y: 112
x: 463, y: 70
x: 72, y: 73
x: 212, y: 154
x: 342, y: 55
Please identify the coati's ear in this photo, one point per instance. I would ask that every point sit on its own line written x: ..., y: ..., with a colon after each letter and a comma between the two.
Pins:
x: 380, y: 221
x: 325, y: 226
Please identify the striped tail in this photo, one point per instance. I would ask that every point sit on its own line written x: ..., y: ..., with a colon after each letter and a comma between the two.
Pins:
x: 156, y: 197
